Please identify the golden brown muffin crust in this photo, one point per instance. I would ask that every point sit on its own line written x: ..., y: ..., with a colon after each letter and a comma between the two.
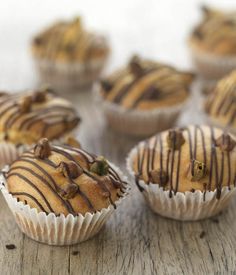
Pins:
x: 69, y: 42
x: 216, y: 34
x: 26, y: 117
x: 187, y: 159
x: 63, y: 179
x: 146, y: 85
x: 220, y: 105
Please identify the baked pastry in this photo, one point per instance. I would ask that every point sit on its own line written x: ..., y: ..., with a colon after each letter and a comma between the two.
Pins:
x: 187, y: 173
x: 213, y: 43
x: 68, y: 56
x: 144, y: 97
x: 62, y: 181
x: 26, y: 117
x: 220, y: 105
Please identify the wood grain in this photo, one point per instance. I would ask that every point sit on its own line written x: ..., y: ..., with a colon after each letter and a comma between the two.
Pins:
x: 135, y: 240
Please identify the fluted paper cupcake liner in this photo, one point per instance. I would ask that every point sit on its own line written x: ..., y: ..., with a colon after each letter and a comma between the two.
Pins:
x: 139, y: 123
x: 210, y: 66
x: 58, y: 230
x: 187, y: 206
x: 66, y: 77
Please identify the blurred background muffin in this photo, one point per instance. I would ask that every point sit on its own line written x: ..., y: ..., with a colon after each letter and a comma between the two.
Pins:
x: 68, y: 56
x: 28, y: 116
x: 220, y: 104
x: 144, y: 97
x: 213, y: 43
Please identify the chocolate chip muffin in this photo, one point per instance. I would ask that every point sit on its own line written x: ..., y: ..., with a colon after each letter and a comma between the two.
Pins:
x: 26, y: 117
x: 144, y: 97
x: 62, y: 181
x: 187, y: 173
x: 213, y: 43
x: 220, y: 105
x: 68, y: 56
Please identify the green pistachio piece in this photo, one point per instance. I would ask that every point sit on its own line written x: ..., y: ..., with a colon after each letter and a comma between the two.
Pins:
x: 100, y: 166
x: 198, y: 170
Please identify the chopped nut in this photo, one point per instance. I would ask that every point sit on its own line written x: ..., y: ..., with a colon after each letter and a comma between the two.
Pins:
x: 159, y: 177
x: 70, y: 169
x: 42, y: 149
x: 100, y: 166
x: 226, y: 142
x: 25, y: 105
x: 135, y: 66
x: 106, y: 85
x: 39, y: 96
x: 73, y: 142
x: 175, y: 139
x: 197, y: 170
x: 69, y: 190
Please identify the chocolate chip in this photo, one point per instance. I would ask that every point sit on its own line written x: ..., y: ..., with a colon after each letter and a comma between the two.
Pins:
x: 175, y: 139
x: 225, y: 142
x: 106, y: 85
x: 159, y: 176
x: 25, y: 105
x: 42, y: 149
x: 10, y: 246
x: 70, y: 169
x: 135, y: 66
x: 69, y: 190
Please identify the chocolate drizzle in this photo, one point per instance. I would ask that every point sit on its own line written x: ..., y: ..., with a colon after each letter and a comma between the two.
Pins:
x: 22, y: 112
x: 213, y: 169
x: 63, y: 193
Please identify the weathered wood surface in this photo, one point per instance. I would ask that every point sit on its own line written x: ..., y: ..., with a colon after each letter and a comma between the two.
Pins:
x: 135, y: 240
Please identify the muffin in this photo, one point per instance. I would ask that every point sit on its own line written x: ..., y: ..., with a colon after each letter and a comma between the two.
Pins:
x: 26, y: 117
x: 213, y: 43
x: 60, y: 194
x: 68, y: 56
x: 144, y: 97
x: 220, y: 105
x: 187, y: 173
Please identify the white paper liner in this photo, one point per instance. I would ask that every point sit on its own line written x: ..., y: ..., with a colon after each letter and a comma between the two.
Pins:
x: 187, y: 206
x: 139, y: 123
x: 66, y: 77
x: 211, y: 66
x: 58, y: 230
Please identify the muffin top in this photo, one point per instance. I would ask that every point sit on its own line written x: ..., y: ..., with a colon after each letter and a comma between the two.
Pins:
x: 220, y: 105
x: 146, y: 85
x: 187, y: 159
x: 27, y: 117
x: 216, y: 33
x: 69, y: 42
x: 63, y: 180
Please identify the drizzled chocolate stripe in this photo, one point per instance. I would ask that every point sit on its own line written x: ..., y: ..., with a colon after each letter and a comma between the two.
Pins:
x: 146, y: 161
x: 33, y: 186
x: 31, y: 197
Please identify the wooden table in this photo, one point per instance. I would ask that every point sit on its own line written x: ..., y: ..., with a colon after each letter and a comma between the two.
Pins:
x: 135, y: 240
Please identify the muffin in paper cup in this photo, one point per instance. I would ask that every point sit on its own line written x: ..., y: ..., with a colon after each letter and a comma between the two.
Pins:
x: 67, y: 228
x: 143, y: 98
x: 219, y: 107
x: 186, y: 174
x: 69, y: 57
x: 212, y: 44
x: 30, y: 115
